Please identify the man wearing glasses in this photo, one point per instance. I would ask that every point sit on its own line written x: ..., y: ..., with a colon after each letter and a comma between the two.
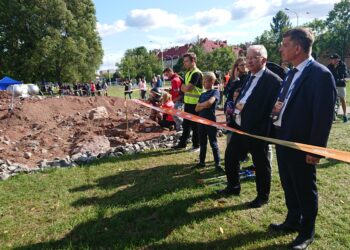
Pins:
x: 251, y: 114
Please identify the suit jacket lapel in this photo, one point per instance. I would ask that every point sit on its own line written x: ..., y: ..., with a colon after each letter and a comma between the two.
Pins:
x: 240, y: 92
x: 301, y: 81
x: 256, y: 91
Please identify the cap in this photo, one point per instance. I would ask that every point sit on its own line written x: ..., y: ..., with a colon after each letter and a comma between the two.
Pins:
x: 156, y: 91
x: 334, y: 56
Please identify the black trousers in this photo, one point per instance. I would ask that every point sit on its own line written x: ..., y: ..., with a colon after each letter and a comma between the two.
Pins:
x: 188, y: 125
x: 143, y: 94
x: 167, y: 124
x: 206, y: 132
x: 237, y: 148
x: 299, y: 184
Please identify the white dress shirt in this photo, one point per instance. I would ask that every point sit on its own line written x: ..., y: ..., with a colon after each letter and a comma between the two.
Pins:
x: 247, y: 93
x: 300, y: 68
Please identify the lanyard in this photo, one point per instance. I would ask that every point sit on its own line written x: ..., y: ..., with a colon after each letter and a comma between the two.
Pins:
x: 294, y: 84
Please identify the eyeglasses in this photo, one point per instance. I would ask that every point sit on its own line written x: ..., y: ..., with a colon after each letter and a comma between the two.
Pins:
x: 241, y: 65
x: 252, y: 58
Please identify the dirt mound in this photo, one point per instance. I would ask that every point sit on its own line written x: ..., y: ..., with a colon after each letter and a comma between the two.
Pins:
x: 54, y: 127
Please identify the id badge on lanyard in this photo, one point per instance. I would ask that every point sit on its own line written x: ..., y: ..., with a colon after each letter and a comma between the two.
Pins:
x: 238, y: 108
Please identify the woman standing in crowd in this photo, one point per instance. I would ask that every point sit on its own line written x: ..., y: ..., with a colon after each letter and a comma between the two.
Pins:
x: 143, y: 88
x: 234, y: 85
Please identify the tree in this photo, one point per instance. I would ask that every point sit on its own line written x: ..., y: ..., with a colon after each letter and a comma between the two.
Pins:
x: 272, y: 39
x: 318, y: 28
x: 280, y: 24
x: 49, y: 40
x: 201, y: 55
x: 139, y: 62
x: 338, y: 26
x: 220, y: 59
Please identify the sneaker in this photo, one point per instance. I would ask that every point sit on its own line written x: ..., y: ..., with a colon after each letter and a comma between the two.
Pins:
x: 345, y: 118
x: 179, y: 146
x: 194, y: 149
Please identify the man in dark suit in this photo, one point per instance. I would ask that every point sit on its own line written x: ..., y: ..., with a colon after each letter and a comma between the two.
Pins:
x: 302, y: 113
x: 251, y: 113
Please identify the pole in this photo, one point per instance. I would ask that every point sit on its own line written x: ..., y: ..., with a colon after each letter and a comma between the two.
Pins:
x: 126, y: 113
x: 296, y: 14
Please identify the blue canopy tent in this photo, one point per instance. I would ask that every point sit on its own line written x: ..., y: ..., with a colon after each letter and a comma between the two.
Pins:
x: 7, y: 81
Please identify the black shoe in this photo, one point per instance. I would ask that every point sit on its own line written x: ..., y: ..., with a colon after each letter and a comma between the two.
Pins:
x: 284, y: 227
x: 301, y: 243
x: 200, y: 165
x: 219, y: 168
x: 229, y: 191
x: 258, y: 202
x: 179, y: 146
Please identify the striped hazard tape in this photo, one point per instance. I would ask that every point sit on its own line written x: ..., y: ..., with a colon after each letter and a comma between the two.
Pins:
x: 326, y: 152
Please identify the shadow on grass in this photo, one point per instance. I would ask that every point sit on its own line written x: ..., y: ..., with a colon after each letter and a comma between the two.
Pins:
x: 238, y: 240
x: 143, y: 185
x: 328, y: 163
x: 142, y: 227
x: 138, y: 156
x: 141, y: 220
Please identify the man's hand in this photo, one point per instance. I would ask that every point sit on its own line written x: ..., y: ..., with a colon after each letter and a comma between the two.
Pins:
x: 312, y: 160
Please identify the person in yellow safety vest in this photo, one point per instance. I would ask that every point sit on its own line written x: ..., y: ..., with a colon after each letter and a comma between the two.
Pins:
x: 192, y: 89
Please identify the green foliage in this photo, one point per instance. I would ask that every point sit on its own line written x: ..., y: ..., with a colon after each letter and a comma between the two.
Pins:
x: 280, y: 24
x: 44, y: 40
x: 338, y: 25
x: 220, y: 59
x: 332, y: 35
x: 319, y: 30
x: 272, y: 39
x: 178, y: 67
x: 139, y: 62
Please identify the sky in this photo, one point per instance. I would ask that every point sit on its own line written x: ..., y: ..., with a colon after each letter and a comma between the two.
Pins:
x: 161, y: 24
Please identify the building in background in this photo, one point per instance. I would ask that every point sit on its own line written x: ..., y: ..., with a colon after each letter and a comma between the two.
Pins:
x: 171, y: 55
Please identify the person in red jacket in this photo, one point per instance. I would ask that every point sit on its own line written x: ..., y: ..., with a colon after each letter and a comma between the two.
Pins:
x: 168, y: 120
x: 176, y: 94
x: 92, y: 88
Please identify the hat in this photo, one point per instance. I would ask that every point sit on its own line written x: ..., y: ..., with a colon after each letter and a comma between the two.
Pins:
x: 156, y: 91
x: 334, y: 56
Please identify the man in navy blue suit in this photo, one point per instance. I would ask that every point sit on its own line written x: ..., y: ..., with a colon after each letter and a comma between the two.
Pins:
x: 302, y: 113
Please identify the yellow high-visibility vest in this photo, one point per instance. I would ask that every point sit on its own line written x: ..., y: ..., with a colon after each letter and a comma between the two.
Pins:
x: 192, y: 96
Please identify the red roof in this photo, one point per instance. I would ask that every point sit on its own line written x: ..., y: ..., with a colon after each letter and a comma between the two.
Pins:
x: 208, y: 46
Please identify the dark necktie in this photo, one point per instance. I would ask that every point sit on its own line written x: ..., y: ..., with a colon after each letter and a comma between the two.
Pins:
x: 245, y: 88
x: 287, y: 84
x: 280, y: 102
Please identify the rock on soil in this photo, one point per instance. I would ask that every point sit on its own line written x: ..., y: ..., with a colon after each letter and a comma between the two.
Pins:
x: 57, y: 127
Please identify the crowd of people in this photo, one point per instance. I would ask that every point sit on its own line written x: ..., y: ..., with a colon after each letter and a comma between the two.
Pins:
x: 293, y: 103
x: 77, y: 89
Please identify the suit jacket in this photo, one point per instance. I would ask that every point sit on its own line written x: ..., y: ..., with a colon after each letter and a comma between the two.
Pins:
x: 309, y: 113
x: 255, y: 116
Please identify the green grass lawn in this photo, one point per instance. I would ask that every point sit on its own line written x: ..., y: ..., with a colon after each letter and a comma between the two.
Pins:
x: 155, y: 200
x: 118, y: 90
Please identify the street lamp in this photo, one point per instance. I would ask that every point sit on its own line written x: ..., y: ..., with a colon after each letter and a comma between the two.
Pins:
x: 296, y: 14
